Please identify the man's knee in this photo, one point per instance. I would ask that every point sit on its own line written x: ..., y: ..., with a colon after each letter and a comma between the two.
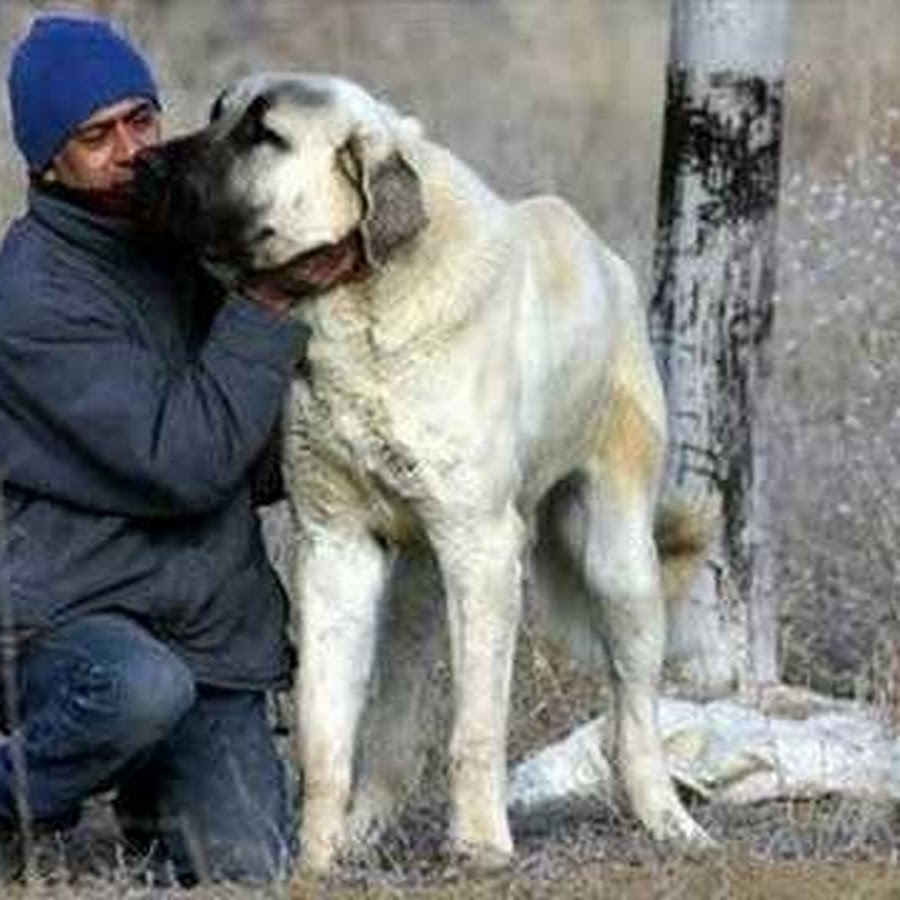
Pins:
x: 118, y: 681
x: 155, y: 689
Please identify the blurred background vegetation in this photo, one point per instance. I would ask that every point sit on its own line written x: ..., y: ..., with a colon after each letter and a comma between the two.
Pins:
x: 566, y: 96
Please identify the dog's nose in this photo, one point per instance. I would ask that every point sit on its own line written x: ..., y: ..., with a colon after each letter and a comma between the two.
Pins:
x: 151, y: 185
x: 152, y: 165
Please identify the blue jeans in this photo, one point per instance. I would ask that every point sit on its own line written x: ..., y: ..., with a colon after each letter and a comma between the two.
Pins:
x: 199, y: 782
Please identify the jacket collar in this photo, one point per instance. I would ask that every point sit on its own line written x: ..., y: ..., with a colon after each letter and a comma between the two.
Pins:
x: 74, y: 223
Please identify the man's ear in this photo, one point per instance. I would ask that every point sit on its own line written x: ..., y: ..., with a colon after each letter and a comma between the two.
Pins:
x: 392, y: 195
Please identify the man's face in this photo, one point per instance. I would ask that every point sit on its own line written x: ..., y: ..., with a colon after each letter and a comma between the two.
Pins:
x: 99, y: 154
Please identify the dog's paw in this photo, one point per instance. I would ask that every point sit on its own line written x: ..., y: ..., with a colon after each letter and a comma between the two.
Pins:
x: 478, y: 859
x: 677, y: 827
x: 318, y: 857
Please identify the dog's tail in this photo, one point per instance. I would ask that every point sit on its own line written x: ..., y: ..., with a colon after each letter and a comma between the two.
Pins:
x: 684, y: 531
x: 696, y: 665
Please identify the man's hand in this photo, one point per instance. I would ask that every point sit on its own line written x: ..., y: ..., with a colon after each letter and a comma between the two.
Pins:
x: 270, y: 295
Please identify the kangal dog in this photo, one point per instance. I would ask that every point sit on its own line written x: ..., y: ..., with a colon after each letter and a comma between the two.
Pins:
x: 478, y: 411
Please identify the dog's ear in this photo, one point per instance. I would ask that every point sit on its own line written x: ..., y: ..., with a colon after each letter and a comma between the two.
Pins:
x: 392, y: 194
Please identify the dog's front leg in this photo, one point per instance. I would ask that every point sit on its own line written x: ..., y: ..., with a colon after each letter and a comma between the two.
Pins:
x: 339, y: 579
x: 480, y: 560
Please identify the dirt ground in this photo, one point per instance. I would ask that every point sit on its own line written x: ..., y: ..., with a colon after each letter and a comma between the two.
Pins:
x: 827, y: 849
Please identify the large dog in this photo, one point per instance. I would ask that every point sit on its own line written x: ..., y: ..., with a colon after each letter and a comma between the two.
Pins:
x: 478, y: 409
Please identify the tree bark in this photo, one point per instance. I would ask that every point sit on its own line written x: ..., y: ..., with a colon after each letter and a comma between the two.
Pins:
x: 712, y: 312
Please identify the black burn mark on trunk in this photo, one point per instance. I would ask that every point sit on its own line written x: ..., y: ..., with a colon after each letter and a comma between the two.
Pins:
x: 722, y: 143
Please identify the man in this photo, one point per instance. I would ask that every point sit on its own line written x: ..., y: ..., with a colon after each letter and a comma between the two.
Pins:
x: 142, y: 617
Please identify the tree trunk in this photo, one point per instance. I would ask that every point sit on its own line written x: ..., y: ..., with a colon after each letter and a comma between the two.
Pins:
x: 712, y: 312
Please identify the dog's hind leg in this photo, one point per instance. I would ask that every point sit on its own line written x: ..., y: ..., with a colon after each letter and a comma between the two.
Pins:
x: 400, y: 723
x: 562, y: 606
x: 339, y: 579
x: 616, y: 511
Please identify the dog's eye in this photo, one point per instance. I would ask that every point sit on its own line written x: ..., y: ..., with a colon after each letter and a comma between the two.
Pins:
x: 267, y: 135
x: 253, y: 131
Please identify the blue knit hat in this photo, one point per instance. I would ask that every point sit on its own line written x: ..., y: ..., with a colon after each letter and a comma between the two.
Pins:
x: 64, y: 70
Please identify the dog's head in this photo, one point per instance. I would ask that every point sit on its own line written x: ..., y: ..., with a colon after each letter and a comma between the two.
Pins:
x: 304, y: 175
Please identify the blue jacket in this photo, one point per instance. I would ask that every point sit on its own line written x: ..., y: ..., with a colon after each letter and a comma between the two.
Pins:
x: 126, y: 438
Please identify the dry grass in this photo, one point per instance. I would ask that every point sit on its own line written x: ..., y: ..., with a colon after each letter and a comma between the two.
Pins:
x: 834, y: 418
x: 831, y: 849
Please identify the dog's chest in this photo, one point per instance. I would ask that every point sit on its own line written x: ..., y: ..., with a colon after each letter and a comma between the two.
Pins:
x: 343, y: 448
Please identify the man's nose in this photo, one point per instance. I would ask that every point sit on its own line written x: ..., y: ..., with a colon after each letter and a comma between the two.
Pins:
x: 128, y: 143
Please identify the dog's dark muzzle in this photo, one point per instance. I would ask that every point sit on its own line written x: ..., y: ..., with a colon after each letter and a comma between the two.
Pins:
x: 152, y: 167
x: 173, y: 185
x: 179, y: 193
x: 152, y: 186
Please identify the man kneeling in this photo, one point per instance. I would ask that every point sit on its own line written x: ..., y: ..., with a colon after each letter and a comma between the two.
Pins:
x: 145, y: 623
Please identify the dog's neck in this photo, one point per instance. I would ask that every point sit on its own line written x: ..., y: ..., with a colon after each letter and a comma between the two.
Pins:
x: 427, y: 284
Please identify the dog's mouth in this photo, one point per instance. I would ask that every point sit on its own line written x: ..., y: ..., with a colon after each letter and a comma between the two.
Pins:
x: 320, y: 269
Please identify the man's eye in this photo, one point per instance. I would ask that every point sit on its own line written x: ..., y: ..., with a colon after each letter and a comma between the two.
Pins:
x: 144, y: 117
x: 92, y: 136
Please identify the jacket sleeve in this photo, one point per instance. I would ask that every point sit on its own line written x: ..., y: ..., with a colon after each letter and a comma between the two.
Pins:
x: 99, y: 419
x: 266, y: 480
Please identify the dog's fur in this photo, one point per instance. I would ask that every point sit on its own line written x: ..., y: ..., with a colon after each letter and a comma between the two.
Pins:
x: 479, y: 410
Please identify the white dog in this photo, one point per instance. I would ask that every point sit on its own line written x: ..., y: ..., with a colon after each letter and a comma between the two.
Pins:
x: 479, y: 409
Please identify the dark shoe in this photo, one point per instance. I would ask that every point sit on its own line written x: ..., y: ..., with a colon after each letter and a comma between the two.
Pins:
x: 11, y: 862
